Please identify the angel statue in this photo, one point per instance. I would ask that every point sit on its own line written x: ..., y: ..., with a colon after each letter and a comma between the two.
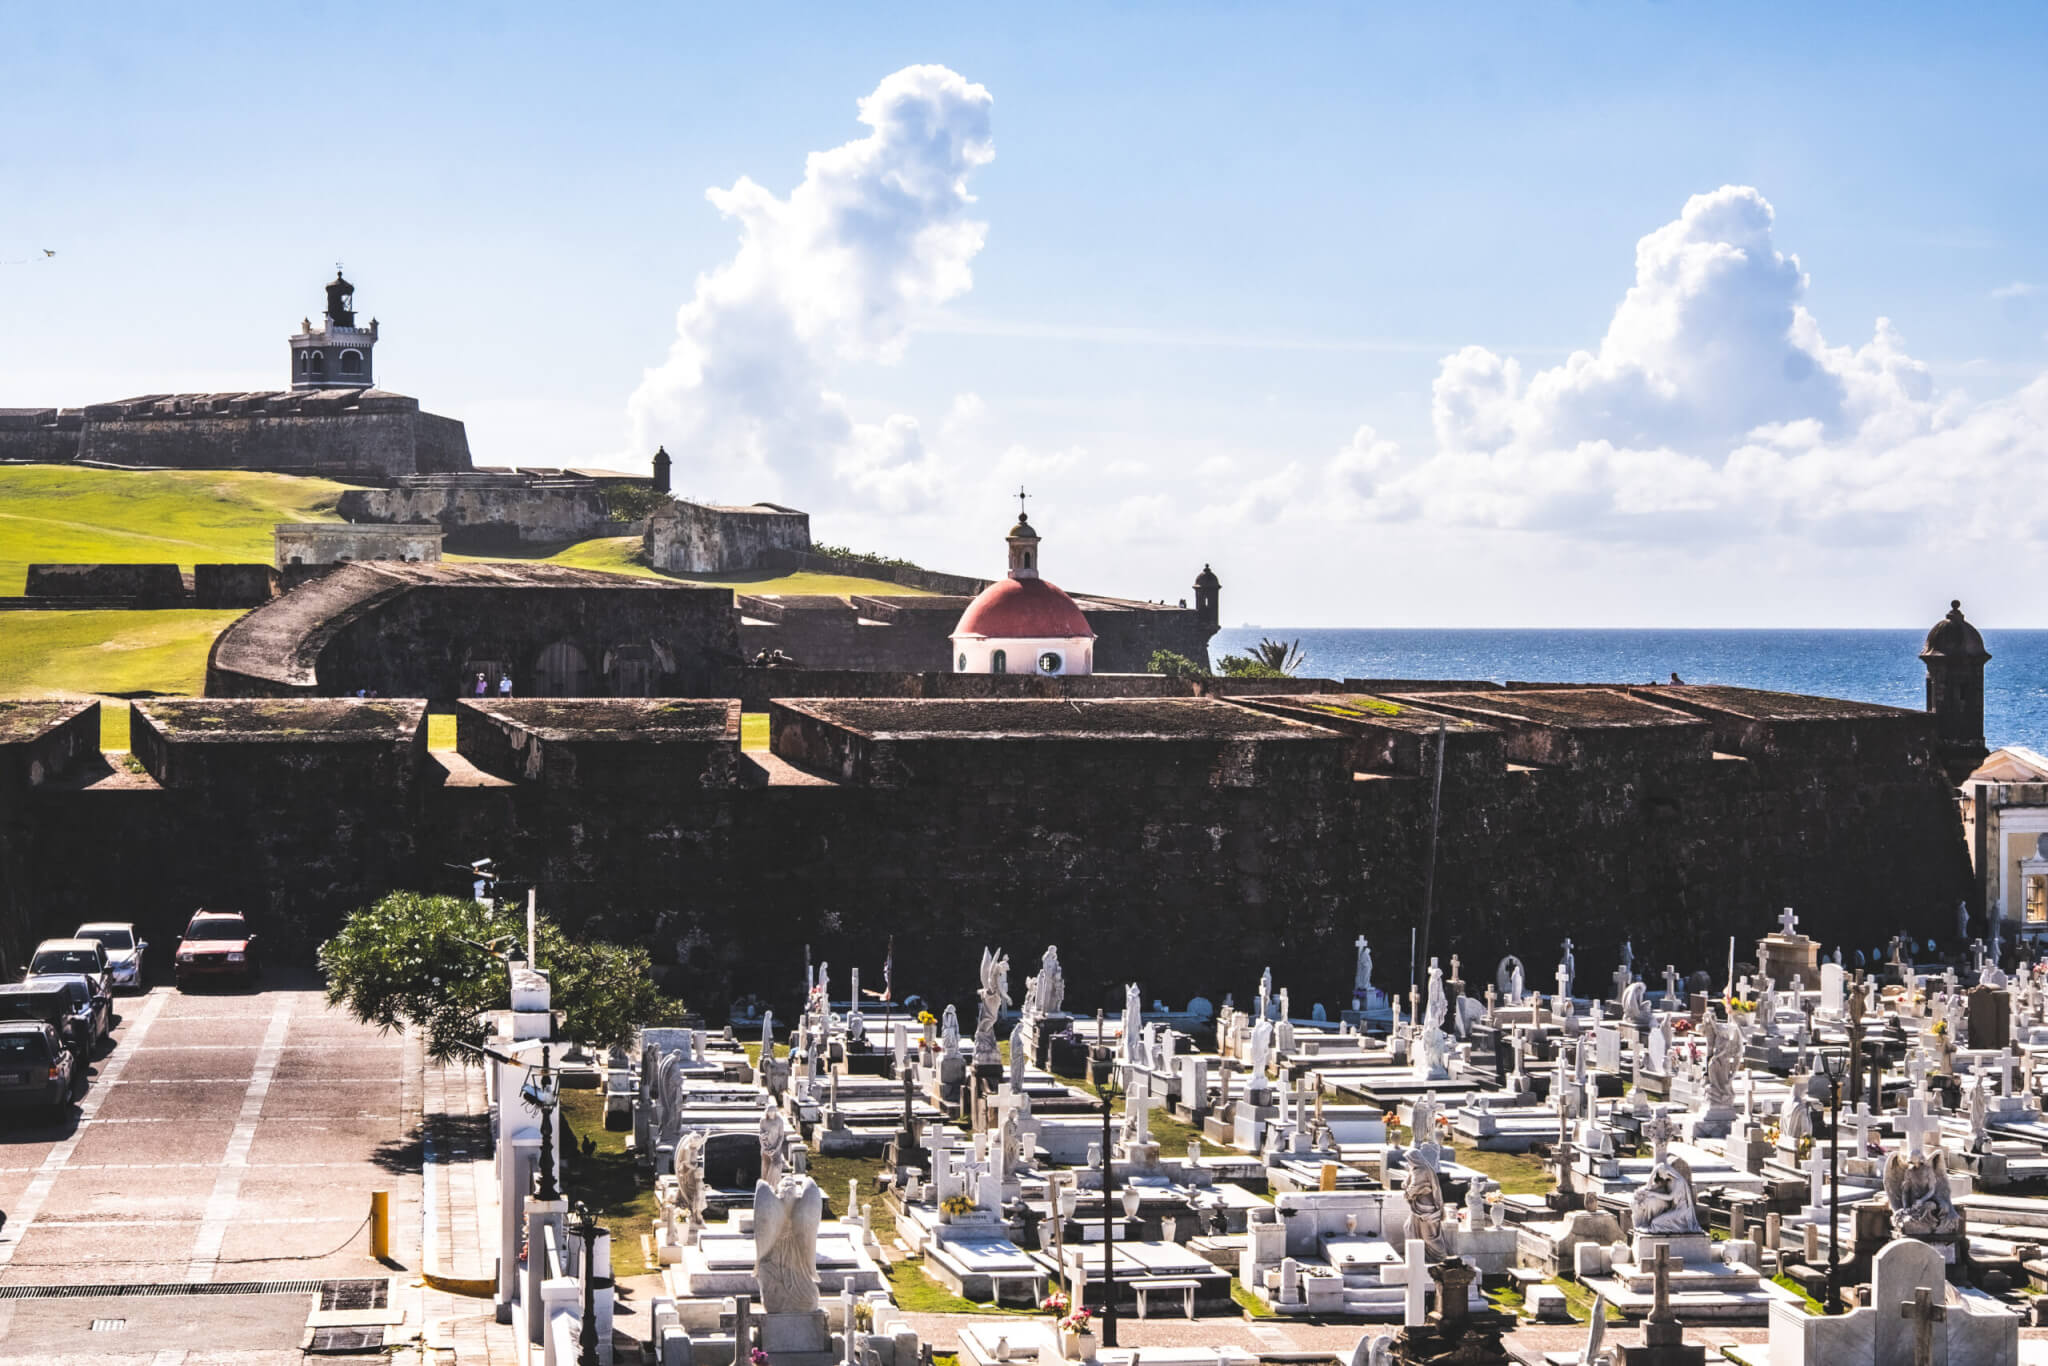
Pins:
x: 1724, y: 1048
x: 786, y: 1219
x: 995, y: 994
x: 1424, y: 1191
x: 1361, y: 976
x: 689, y: 1201
x: 1664, y: 1203
x: 1916, y: 1186
x: 1052, y: 983
x: 774, y: 1140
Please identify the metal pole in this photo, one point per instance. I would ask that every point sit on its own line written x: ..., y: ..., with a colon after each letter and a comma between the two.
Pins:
x: 1108, y: 1218
x: 586, y: 1335
x: 1436, y: 798
x: 1835, y: 1190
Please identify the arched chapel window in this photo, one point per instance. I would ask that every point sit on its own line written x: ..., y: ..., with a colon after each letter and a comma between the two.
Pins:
x: 999, y: 662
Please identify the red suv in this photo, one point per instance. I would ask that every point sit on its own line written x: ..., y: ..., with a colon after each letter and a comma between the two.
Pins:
x: 216, y: 944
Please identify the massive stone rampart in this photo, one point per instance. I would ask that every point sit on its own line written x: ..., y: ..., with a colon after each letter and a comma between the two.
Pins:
x: 694, y: 538
x: 354, y: 433
x: 485, y: 511
x: 1186, y: 842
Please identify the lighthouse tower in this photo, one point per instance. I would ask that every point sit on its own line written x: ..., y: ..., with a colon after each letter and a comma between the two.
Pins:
x: 336, y: 354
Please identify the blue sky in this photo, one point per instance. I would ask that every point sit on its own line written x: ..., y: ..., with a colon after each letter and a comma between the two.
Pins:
x: 1184, y: 254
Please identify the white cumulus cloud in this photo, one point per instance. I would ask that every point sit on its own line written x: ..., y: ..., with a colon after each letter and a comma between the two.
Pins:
x: 879, y: 229
x: 1713, y: 408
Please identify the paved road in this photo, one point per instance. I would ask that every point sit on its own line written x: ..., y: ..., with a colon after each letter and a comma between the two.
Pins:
x: 226, y: 1137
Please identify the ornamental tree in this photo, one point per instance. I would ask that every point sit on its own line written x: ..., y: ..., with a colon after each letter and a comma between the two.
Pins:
x: 419, y: 961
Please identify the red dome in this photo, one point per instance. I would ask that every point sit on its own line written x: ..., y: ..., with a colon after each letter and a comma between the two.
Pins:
x: 1023, y: 609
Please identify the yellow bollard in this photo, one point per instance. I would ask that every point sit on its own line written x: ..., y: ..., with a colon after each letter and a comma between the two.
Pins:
x: 380, y: 1225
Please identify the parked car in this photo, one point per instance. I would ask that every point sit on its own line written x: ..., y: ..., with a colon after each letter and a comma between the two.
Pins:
x: 45, y: 1001
x: 216, y: 944
x: 73, y: 955
x: 124, y: 950
x: 91, y: 1008
x: 36, y: 1069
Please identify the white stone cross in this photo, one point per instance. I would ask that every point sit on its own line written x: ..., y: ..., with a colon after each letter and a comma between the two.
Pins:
x: 1917, y: 1125
x: 1412, y: 1276
x: 1788, y: 924
x: 1817, y: 1176
x: 1861, y: 1120
x: 1670, y: 983
x: 1622, y: 977
x: 2006, y: 1062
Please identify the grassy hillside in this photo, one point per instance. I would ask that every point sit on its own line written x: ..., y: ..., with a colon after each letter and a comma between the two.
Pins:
x: 69, y: 515
x: 57, y: 513
x: 617, y: 555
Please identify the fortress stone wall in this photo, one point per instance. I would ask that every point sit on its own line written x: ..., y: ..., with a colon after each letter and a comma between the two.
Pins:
x: 694, y: 538
x: 484, y: 510
x: 352, y: 433
x: 1154, y: 830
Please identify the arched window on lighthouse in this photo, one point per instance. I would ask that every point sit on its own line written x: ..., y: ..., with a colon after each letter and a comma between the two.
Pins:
x: 999, y: 662
x: 351, y: 362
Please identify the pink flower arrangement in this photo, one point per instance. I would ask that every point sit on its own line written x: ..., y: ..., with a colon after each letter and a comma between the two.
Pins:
x: 758, y: 1357
x: 1055, y: 1303
x: 1078, y: 1321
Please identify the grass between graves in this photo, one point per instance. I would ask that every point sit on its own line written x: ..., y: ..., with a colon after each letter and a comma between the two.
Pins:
x: 599, y: 1171
x: 1170, y: 1134
x: 917, y: 1293
x: 1579, y: 1301
x: 832, y: 1174
x: 1518, y: 1173
x: 1806, y: 1301
x: 1249, y: 1302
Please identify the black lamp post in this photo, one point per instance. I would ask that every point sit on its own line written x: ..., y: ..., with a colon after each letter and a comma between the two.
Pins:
x: 1834, y: 1067
x: 545, y: 1188
x: 1105, y: 1062
x: 587, y: 1228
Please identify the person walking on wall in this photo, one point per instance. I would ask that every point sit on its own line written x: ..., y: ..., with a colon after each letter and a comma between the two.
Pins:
x: 504, y: 685
x: 483, y: 686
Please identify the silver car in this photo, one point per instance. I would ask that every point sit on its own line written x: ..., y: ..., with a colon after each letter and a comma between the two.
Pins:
x: 124, y: 950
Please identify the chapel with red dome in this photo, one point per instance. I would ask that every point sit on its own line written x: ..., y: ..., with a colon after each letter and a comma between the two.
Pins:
x: 1023, y: 624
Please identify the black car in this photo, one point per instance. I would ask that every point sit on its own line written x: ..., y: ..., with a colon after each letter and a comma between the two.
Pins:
x: 36, y: 1070
x: 47, y: 1002
x: 90, y: 1008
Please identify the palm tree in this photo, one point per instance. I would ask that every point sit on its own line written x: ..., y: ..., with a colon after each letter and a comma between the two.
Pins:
x: 1281, y: 656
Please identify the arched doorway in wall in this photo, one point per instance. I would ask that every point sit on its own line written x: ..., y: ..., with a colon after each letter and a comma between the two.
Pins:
x: 634, y: 671
x: 561, y: 672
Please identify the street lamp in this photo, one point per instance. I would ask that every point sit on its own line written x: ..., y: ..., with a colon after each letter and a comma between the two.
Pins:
x: 587, y: 1228
x: 1104, y: 1061
x: 1834, y: 1066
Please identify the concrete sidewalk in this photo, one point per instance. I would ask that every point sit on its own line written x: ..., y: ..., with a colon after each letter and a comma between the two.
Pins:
x: 460, y: 1217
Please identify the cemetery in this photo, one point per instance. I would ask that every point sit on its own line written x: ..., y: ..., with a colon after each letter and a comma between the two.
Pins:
x: 1842, y: 1163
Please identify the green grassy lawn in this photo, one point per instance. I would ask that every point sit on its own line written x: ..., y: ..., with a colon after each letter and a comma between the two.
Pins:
x: 916, y: 1292
x: 66, y: 514
x: 600, y: 1172
x: 621, y: 555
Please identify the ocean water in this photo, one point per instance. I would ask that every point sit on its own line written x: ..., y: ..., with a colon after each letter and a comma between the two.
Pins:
x: 1867, y: 666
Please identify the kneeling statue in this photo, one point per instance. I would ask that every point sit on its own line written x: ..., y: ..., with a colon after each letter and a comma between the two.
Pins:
x: 1664, y: 1204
